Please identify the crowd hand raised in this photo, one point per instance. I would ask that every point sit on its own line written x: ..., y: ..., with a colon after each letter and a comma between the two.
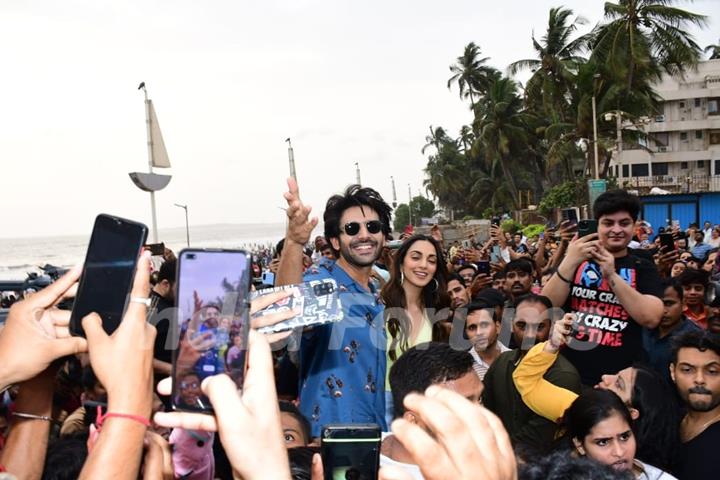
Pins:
x: 665, y: 260
x: 300, y: 226
x: 253, y: 417
x: 606, y: 261
x: 561, y: 332
x: 465, y: 440
x: 36, y: 325
x: 157, y: 464
x: 480, y: 282
x: 472, y: 255
x: 122, y: 362
x: 436, y: 233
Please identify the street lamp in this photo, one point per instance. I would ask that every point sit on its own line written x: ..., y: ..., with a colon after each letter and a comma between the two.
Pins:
x: 595, y: 135
x: 619, y: 142
x: 187, y: 227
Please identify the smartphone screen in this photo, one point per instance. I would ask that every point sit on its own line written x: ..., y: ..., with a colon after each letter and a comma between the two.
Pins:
x: 351, y: 451
x: 483, y: 267
x: 212, y: 322
x: 570, y: 215
x: 108, y: 272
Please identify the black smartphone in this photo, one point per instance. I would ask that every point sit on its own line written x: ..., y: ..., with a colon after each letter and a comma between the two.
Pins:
x: 569, y: 215
x: 587, y: 227
x: 351, y: 451
x: 495, y: 221
x: 212, y: 322
x: 156, y: 249
x: 107, y: 277
x: 483, y: 267
x: 667, y: 243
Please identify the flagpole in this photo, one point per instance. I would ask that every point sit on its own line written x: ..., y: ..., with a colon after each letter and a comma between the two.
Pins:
x: 148, y: 122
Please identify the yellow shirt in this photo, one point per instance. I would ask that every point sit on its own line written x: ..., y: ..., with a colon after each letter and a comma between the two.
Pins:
x: 541, y: 396
x: 424, y: 335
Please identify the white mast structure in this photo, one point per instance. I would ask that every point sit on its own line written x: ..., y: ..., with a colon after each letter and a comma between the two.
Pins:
x: 157, y: 157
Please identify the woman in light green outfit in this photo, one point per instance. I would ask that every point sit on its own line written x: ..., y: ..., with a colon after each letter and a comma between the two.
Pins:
x: 417, y: 289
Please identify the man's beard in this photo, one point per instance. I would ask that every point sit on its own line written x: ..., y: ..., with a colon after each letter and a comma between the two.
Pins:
x: 702, y: 405
x: 347, y: 253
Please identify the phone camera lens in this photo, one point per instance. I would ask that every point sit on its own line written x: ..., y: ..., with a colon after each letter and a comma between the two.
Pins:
x: 190, y: 256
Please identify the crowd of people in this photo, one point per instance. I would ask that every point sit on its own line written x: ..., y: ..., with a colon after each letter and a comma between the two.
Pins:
x: 556, y: 357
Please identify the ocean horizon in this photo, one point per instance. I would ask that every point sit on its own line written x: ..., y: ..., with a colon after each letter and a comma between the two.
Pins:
x: 22, y: 255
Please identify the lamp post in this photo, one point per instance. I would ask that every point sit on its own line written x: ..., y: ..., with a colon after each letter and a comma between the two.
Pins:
x: 187, y: 227
x: 595, y: 135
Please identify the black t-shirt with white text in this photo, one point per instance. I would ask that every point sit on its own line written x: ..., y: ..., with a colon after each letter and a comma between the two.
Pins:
x: 607, y: 338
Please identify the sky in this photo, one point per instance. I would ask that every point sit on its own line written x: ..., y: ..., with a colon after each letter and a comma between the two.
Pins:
x: 347, y: 81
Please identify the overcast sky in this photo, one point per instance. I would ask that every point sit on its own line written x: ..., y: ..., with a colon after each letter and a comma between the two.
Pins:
x: 348, y: 81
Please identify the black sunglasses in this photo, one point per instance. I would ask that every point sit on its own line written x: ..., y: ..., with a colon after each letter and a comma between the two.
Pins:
x: 353, y: 228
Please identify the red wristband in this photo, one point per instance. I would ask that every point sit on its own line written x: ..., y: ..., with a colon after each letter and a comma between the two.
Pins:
x: 137, y: 418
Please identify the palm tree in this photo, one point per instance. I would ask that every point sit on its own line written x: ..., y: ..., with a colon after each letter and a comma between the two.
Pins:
x: 471, y: 74
x: 558, y: 58
x: 643, y: 38
x: 501, y: 126
x: 714, y: 51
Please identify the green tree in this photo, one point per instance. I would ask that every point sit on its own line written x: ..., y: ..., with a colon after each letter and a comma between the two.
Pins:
x: 554, y: 69
x: 501, y: 126
x: 421, y: 207
x: 643, y: 38
x: 471, y: 74
x: 714, y: 51
x: 402, y: 217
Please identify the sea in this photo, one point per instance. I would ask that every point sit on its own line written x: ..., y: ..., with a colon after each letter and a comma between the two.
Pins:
x: 20, y: 256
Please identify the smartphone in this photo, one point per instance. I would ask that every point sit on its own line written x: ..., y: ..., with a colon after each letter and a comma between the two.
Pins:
x: 495, y: 254
x: 667, y: 243
x: 483, y: 267
x: 541, y: 236
x: 212, y: 322
x: 495, y: 221
x: 394, y: 244
x: 317, y: 300
x: 156, y: 249
x: 351, y: 451
x: 467, y: 244
x: 108, y: 272
x: 569, y: 215
x: 587, y: 227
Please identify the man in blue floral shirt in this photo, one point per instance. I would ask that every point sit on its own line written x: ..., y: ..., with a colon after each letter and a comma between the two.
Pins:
x: 342, y: 365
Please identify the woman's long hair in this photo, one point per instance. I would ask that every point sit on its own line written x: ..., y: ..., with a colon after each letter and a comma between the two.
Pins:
x: 591, y: 408
x: 434, y: 295
x: 656, y: 428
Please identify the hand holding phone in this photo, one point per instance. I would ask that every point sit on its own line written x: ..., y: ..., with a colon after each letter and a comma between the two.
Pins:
x: 238, y: 418
x: 587, y: 227
x: 667, y: 242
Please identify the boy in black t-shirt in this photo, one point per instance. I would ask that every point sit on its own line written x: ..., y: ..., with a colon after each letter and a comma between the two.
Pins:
x: 613, y: 293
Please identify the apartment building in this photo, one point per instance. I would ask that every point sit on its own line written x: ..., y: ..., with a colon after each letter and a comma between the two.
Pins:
x: 682, y: 152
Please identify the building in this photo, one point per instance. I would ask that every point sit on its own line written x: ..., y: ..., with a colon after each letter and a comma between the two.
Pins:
x: 682, y: 150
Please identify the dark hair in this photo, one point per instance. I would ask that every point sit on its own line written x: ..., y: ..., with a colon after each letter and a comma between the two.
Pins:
x: 65, y: 458
x: 279, y: 247
x: 674, y: 284
x: 562, y: 466
x: 476, y: 305
x: 534, y: 298
x: 354, y: 196
x: 690, y: 276
x: 424, y: 365
x: 615, y: 201
x: 656, y: 428
x: 168, y: 271
x: 393, y: 295
x: 591, y: 408
x: 498, y: 276
x: 456, y: 277
x: 89, y: 379
x: 698, y: 339
x: 520, y: 265
x: 291, y: 409
x: 490, y: 296
x: 471, y: 266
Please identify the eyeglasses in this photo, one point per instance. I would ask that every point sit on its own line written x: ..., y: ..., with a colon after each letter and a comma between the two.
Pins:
x: 353, y: 228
